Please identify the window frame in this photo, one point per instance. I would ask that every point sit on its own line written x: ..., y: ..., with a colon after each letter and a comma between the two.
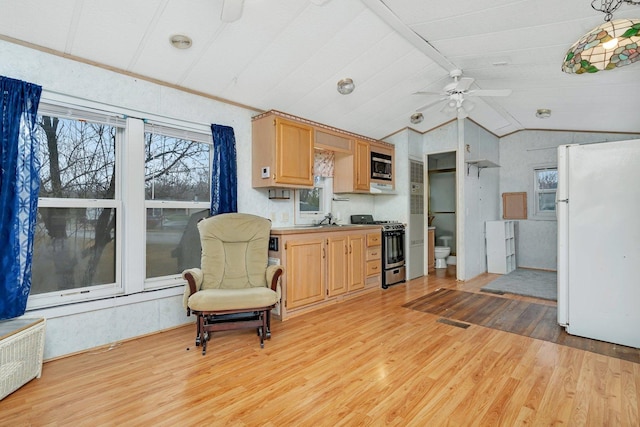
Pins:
x: 130, y: 286
x: 537, y: 213
x: 159, y: 282
x: 67, y: 296
x: 325, y: 184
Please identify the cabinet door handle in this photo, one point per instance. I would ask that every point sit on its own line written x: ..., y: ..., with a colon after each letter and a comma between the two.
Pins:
x: 323, y: 254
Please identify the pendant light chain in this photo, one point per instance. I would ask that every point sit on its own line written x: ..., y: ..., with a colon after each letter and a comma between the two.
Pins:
x: 610, y: 6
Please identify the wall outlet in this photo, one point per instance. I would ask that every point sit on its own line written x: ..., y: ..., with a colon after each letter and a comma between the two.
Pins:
x: 264, y: 172
x: 285, y: 217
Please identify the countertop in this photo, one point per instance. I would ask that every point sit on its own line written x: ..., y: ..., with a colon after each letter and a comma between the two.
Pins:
x: 303, y: 229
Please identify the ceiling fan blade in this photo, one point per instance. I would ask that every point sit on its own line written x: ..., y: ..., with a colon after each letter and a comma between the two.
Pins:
x: 231, y: 10
x: 490, y: 92
x: 422, y: 92
x: 464, y: 84
x: 429, y: 105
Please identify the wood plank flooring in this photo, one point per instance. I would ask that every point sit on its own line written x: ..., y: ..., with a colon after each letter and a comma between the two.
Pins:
x: 364, y: 361
x: 518, y: 317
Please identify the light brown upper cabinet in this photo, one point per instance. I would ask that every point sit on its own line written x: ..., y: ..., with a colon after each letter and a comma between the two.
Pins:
x: 282, y: 152
x: 352, y: 170
x: 333, y: 141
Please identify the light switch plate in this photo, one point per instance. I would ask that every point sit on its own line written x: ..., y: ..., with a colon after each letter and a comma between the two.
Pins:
x: 265, y: 172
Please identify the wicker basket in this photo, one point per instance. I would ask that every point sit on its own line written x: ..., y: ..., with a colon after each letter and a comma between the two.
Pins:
x: 21, y: 352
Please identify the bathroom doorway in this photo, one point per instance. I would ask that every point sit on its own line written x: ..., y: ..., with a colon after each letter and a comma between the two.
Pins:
x: 441, y: 200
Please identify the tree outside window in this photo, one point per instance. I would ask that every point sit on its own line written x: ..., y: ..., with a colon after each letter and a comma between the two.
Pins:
x: 178, y: 194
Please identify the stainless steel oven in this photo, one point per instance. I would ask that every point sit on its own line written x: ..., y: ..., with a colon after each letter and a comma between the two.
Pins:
x: 393, y: 255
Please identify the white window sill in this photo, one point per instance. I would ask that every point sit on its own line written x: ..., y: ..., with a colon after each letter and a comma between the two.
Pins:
x: 105, y: 303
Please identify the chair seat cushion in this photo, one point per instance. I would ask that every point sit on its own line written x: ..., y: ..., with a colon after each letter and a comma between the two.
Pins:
x: 232, y: 299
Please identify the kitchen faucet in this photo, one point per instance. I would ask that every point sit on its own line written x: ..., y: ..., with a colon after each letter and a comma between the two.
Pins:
x: 329, y: 217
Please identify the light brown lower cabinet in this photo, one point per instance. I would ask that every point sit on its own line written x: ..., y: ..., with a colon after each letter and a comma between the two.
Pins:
x: 305, y: 268
x: 322, y: 268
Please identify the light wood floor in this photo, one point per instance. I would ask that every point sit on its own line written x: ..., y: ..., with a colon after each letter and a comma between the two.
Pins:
x: 365, y: 361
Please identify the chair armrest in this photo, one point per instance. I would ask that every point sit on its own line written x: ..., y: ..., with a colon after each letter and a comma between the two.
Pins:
x: 273, y: 275
x: 194, y: 278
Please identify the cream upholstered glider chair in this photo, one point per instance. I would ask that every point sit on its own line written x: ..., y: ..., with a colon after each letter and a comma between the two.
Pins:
x: 234, y: 287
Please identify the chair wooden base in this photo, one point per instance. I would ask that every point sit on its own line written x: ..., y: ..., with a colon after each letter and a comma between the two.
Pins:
x: 224, y: 320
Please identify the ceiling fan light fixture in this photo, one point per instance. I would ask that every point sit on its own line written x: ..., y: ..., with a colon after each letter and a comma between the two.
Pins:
x: 608, y: 46
x: 180, y: 41
x: 468, y: 105
x: 448, y: 108
x: 346, y: 86
x: 417, y: 118
x: 543, y: 113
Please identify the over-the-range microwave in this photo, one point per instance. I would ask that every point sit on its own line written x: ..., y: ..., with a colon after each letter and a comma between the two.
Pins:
x: 381, y: 166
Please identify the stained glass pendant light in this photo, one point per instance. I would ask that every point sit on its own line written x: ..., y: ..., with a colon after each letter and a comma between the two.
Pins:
x: 608, y: 46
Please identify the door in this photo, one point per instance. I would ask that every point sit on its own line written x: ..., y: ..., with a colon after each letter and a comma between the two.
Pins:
x: 362, y: 164
x: 416, y: 229
x: 304, y: 272
x: 294, y: 153
x: 603, y: 234
x: 338, y: 249
x: 356, y: 262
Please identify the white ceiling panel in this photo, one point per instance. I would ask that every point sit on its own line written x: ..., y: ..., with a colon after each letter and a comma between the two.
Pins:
x: 289, y: 54
x: 36, y: 22
x: 110, y: 32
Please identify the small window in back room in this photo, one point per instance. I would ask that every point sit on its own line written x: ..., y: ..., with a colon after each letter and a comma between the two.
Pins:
x: 545, y: 185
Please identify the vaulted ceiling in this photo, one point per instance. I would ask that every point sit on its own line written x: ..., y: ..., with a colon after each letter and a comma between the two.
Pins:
x: 289, y: 54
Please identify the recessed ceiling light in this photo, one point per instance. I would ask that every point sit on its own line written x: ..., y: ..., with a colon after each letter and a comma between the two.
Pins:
x: 543, y: 113
x: 180, y: 41
x: 346, y: 86
x: 417, y: 118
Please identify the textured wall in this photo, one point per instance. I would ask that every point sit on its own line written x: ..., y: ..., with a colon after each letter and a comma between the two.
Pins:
x: 519, y: 154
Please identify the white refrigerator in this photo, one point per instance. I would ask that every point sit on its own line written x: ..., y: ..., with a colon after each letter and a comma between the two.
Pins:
x: 598, y: 209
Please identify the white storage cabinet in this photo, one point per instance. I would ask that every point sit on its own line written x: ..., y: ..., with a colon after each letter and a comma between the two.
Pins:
x: 501, y: 246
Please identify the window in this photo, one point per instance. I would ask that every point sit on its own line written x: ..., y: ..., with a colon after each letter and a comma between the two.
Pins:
x: 545, y: 186
x: 312, y: 204
x: 177, y: 194
x: 97, y: 166
x: 76, y: 243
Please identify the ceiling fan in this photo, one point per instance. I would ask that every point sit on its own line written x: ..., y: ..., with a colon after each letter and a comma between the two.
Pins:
x: 456, y: 92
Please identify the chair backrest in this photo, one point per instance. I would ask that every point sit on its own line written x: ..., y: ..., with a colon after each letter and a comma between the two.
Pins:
x: 235, y: 249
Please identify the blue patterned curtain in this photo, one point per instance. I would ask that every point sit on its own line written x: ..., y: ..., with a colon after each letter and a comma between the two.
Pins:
x: 19, y: 185
x: 224, y: 171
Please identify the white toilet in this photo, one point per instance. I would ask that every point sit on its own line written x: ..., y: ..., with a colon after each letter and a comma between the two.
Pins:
x: 442, y: 252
